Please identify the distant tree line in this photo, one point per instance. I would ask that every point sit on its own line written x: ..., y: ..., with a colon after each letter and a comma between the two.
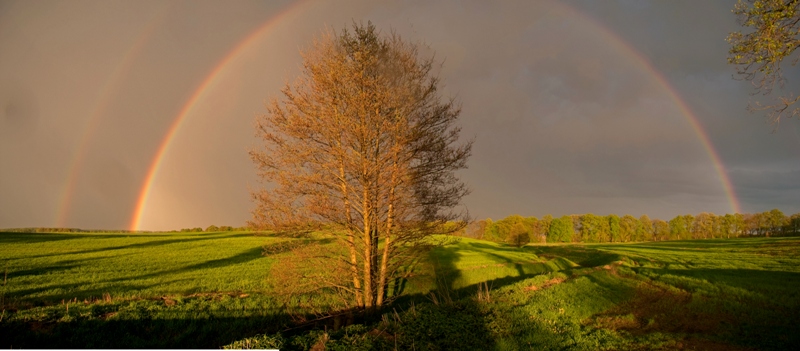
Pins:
x: 590, y: 228
x: 587, y: 228
x: 213, y: 228
x: 67, y: 230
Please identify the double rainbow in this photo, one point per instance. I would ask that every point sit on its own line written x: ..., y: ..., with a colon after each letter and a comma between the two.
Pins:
x: 251, y: 39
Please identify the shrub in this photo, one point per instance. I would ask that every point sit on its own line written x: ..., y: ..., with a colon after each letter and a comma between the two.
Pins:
x: 458, y: 326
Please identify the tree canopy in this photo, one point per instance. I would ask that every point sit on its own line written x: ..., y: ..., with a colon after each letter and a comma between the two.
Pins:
x: 773, y: 35
x: 364, y: 143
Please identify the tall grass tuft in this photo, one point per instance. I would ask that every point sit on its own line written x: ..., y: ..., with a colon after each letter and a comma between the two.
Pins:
x: 483, y: 295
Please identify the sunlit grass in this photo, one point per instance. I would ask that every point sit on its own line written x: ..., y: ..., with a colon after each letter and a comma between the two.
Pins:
x: 738, y: 294
x: 467, y: 262
x: 152, y: 290
x: 51, y: 267
x: 210, y: 289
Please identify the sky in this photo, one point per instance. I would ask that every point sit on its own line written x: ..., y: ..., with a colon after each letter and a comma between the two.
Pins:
x: 140, y: 114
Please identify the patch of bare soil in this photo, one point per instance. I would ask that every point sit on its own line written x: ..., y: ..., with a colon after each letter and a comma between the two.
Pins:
x: 611, y: 268
x: 546, y: 284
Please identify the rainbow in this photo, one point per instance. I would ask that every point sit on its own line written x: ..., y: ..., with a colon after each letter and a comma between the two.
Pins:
x: 111, y: 85
x: 240, y: 47
x: 647, y: 66
x: 251, y: 39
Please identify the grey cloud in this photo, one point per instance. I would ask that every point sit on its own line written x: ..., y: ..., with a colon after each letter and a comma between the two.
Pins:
x: 565, y: 120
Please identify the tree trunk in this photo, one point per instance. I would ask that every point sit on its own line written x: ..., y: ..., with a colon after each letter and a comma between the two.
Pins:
x: 367, y: 292
x: 351, y: 244
x: 382, y: 280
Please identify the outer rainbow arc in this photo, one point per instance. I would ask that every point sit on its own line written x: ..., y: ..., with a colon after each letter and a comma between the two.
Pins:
x: 684, y: 108
x: 155, y: 165
x: 111, y: 85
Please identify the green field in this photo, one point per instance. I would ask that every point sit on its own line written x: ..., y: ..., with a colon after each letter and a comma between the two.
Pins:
x: 208, y: 290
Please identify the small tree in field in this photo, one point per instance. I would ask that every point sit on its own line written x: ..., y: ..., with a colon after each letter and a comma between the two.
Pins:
x: 519, y: 235
x: 363, y: 143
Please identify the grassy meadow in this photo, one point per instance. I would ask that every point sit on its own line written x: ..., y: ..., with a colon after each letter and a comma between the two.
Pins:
x: 212, y: 290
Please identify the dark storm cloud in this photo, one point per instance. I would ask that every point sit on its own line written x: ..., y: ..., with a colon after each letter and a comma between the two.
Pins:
x: 566, y: 120
x: 686, y: 42
x: 561, y: 119
x: 764, y: 187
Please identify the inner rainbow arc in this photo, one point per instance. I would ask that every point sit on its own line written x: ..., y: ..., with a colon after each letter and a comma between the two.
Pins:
x: 155, y: 165
x: 694, y: 122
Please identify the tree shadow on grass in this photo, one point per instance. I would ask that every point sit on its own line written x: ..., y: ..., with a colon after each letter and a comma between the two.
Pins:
x: 242, y: 257
x: 42, y: 270
x: 56, y: 267
x: 76, y: 290
x: 32, y: 238
x: 583, y: 256
x: 150, y: 332
x: 704, y: 244
x: 144, y: 245
x: 285, y: 246
x: 500, y: 247
x: 762, y: 281
x: 21, y: 299
x: 245, y: 256
x: 445, y: 274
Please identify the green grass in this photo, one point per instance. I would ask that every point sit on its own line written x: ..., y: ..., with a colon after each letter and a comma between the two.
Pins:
x: 206, y: 290
x: 461, y: 266
x: 51, y: 267
x: 739, y: 294
x: 135, y: 290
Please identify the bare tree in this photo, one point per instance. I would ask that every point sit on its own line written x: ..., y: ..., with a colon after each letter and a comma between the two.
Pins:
x: 364, y: 143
